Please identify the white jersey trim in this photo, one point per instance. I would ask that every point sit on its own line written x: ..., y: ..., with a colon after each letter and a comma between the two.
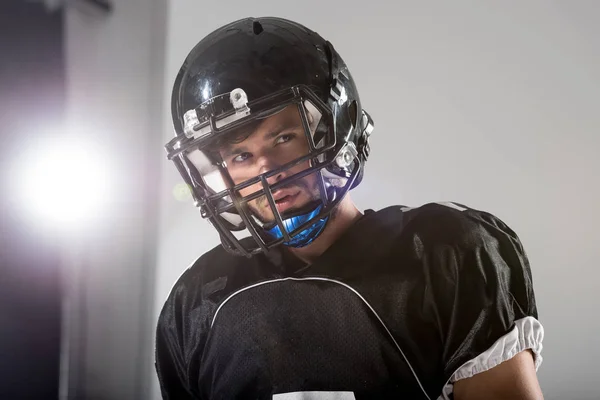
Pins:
x: 528, y: 333
x: 315, y: 396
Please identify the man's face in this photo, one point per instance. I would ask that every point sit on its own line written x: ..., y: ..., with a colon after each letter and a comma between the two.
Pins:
x: 276, y: 141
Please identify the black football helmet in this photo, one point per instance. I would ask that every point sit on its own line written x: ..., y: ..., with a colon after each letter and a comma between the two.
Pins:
x: 245, y: 72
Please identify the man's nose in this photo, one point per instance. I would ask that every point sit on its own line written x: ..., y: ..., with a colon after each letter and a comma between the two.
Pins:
x: 268, y: 164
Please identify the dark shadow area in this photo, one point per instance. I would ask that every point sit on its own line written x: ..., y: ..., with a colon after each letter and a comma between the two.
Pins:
x: 32, y: 96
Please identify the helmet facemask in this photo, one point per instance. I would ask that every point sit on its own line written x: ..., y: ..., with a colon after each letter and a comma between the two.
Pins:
x: 287, y: 199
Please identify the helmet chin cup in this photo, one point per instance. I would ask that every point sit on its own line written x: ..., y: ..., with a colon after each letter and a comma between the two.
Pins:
x: 291, y: 223
x: 296, y: 212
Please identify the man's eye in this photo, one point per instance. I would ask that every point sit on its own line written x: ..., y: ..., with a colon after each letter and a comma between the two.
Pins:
x: 241, y: 157
x: 285, y: 138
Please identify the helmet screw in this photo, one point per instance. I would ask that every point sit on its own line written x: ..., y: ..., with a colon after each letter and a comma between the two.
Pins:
x: 346, y: 155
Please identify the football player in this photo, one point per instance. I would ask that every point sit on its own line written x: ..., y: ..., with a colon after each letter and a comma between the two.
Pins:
x: 307, y: 297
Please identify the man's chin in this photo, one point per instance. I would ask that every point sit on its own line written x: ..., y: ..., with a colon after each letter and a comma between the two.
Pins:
x: 291, y: 212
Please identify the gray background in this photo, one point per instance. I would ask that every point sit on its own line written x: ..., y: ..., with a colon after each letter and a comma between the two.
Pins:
x: 490, y: 104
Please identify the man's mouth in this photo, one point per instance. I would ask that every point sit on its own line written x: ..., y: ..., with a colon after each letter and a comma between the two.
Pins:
x: 285, y: 200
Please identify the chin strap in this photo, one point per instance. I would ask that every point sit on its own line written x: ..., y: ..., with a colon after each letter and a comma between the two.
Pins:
x: 305, y: 237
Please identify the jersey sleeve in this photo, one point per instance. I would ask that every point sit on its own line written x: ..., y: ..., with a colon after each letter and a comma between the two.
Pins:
x: 480, y: 293
x: 169, y: 357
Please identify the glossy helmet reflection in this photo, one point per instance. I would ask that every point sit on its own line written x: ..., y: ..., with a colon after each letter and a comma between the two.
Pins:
x: 241, y: 74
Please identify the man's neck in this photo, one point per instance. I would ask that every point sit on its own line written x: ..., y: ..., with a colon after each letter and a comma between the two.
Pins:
x: 342, y: 218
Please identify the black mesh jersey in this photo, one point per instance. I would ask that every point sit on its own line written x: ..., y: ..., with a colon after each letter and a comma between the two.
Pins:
x: 390, y: 310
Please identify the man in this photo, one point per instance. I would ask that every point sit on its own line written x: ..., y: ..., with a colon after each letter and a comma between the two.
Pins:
x: 308, y: 298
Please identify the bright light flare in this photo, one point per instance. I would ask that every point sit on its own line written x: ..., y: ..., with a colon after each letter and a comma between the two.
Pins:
x: 64, y: 182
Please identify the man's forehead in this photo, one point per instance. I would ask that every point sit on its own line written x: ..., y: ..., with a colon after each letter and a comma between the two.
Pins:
x: 263, y: 129
x: 287, y: 118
